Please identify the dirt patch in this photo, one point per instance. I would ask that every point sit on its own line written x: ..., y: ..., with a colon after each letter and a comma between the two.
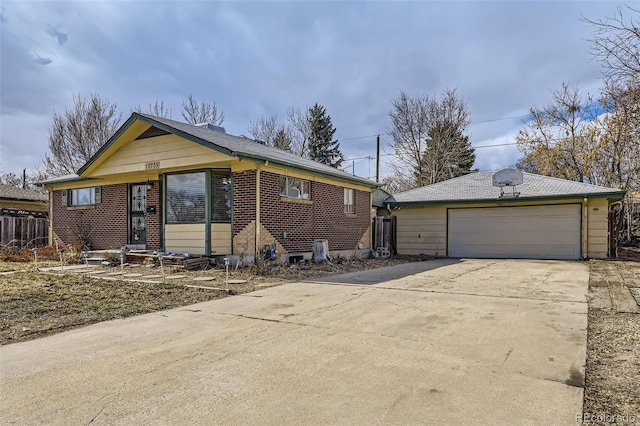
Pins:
x: 613, y: 345
x: 35, y: 304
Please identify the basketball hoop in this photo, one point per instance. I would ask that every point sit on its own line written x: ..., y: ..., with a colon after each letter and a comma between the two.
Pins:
x: 507, y: 178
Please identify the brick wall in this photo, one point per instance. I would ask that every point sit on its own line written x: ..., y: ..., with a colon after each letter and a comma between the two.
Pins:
x: 324, y: 218
x: 106, y: 224
x: 244, y: 199
x: 154, y: 220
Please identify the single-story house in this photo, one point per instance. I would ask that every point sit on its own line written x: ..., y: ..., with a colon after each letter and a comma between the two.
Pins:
x: 15, y: 201
x: 540, y: 218
x: 163, y: 185
x: 23, y: 216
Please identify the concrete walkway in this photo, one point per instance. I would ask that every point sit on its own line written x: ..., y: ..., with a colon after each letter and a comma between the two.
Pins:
x: 437, y: 342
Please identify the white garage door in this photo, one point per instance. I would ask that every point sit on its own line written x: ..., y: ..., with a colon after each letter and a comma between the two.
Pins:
x: 540, y: 232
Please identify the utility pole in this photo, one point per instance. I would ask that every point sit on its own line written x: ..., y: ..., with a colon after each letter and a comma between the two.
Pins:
x: 378, y: 159
x: 24, y: 178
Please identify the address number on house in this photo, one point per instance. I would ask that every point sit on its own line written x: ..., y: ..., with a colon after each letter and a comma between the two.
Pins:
x: 153, y: 165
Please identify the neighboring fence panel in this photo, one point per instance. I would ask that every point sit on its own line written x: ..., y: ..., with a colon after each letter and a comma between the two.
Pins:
x: 24, y: 231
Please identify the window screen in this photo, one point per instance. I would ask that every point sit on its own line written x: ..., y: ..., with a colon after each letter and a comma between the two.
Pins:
x: 186, y: 198
x: 220, y: 198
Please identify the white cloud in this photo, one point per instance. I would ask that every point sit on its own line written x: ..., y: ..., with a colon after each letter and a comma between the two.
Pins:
x: 260, y: 58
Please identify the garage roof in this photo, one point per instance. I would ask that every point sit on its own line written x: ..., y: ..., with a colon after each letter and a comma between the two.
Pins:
x: 14, y: 193
x: 478, y: 187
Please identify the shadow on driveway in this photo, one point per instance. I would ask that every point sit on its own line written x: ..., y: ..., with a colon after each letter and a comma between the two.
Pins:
x: 385, y: 274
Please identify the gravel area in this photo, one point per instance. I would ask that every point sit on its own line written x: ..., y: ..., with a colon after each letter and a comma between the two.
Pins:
x: 612, y: 383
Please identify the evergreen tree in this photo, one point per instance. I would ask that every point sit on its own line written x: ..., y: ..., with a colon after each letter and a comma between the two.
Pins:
x: 282, y: 139
x: 448, y: 154
x: 322, y: 147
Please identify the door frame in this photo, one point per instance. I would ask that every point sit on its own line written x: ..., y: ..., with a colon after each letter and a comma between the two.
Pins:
x: 140, y: 244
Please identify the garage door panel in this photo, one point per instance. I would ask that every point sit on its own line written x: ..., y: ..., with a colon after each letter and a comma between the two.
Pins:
x: 543, y: 232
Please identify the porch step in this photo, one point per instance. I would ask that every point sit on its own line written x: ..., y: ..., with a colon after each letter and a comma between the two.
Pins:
x: 95, y: 260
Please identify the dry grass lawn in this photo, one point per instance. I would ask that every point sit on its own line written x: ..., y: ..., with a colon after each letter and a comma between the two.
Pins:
x: 35, y: 304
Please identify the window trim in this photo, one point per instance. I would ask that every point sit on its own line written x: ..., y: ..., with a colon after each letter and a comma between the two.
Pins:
x: 70, y: 197
x: 303, y: 183
x: 166, y: 194
x: 349, y: 208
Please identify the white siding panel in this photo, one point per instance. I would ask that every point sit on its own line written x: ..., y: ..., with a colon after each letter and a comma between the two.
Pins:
x: 185, y: 238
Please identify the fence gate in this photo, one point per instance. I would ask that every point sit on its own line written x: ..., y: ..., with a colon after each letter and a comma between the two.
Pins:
x: 24, y: 231
x: 383, y: 234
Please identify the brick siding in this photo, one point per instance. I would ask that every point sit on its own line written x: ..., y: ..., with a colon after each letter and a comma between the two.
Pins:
x: 244, y: 199
x: 324, y: 218
x: 154, y: 220
x: 106, y: 223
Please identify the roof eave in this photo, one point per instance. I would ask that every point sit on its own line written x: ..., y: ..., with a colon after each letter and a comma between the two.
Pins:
x: 616, y: 195
x: 35, y: 200
x: 307, y: 169
x: 46, y: 183
x: 137, y: 117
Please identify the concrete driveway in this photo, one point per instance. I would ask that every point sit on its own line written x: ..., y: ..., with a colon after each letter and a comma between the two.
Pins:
x: 443, y: 341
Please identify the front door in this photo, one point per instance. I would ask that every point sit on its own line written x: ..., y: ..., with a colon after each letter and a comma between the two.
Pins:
x: 137, y: 214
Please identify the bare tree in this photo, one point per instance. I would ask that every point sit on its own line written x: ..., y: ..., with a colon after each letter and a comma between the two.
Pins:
x: 616, y: 43
x: 272, y: 133
x: 572, y: 139
x: 617, y: 161
x: 11, y: 179
x: 558, y: 139
x: 409, y: 130
x: 300, y: 130
x: 429, y: 140
x: 158, y: 108
x: 195, y: 112
x: 76, y: 135
x: 264, y: 129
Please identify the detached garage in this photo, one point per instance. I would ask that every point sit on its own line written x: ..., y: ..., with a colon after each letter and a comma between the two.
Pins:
x: 537, y: 218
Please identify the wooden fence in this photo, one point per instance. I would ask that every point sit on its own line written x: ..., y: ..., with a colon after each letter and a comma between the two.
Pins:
x: 383, y: 233
x: 24, y: 231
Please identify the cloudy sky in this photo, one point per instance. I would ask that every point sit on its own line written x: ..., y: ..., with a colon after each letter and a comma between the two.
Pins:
x: 259, y: 58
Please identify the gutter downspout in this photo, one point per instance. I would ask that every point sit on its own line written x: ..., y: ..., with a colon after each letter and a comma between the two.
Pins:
x: 50, y: 233
x: 207, y: 213
x: 585, y: 227
x: 257, y: 233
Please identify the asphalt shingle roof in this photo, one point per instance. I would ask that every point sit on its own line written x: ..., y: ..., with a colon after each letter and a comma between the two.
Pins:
x: 243, y: 146
x: 230, y: 145
x: 15, y: 193
x: 478, y: 187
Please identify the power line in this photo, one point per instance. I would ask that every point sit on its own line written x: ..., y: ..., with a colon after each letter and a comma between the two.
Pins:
x: 490, y: 120
x: 396, y: 154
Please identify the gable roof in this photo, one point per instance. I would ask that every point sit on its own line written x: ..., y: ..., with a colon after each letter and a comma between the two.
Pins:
x: 15, y: 193
x: 234, y: 146
x: 478, y: 187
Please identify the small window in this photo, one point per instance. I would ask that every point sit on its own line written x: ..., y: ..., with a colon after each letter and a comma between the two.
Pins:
x: 294, y: 188
x: 349, y: 200
x: 82, y: 197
